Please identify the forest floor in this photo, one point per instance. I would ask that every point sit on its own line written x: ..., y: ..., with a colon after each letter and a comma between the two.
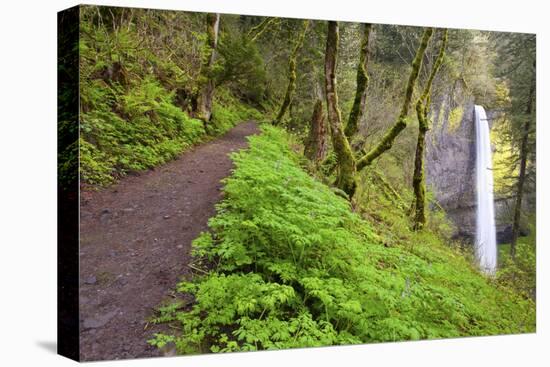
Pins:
x: 135, y: 241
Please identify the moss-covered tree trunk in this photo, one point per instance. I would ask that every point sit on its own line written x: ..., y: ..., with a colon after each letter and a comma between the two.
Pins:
x: 346, y: 162
x: 387, y: 140
x: 315, y: 146
x: 291, y: 75
x: 522, y: 168
x: 422, y: 108
x: 258, y: 30
x: 359, y: 102
x: 206, y: 82
x: 419, y: 186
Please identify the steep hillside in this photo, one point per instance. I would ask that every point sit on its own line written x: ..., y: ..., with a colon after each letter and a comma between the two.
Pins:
x: 136, y: 94
x: 287, y: 263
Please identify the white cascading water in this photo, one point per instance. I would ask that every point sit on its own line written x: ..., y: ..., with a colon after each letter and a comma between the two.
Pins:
x: 486, y: 247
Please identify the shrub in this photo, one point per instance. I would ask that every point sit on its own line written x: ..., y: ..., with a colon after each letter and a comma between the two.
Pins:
x: 124, y: 131
x: 241, y: 67
x: 520, y: 273
x: 227, y: 111
x: 131, y: 118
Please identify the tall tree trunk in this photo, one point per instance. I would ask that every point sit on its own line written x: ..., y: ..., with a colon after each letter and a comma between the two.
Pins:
x: 291, y: 75
x: 315, y: 147
x: 419, y: 186
x: 346, y: 162
x: 206, y: 82
x: 387, y: 140
x: 358, y: 108
x: 522, y: 168
x: 422, y: 108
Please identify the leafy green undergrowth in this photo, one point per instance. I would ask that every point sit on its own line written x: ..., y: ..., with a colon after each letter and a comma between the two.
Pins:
x: 287, y: 264
x: 227, y: 110
x: 520, y: 273
x: 135, y: 103
x: 132, y: 130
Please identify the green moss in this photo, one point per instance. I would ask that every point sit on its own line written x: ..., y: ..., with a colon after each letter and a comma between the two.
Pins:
x: 344, y: 156
x: 441, y: 113
x: 419, y: 184
x: 256, y: 31
x: 359, y: 102
x: 422, y: 107
x: 206, y: 84
x: 455, y: 118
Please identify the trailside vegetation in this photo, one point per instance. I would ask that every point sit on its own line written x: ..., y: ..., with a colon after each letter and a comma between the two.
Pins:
x: 287, y: 264
x: 137, y: 100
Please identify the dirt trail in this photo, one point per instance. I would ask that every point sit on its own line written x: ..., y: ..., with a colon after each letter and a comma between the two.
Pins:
x: 135, y: 244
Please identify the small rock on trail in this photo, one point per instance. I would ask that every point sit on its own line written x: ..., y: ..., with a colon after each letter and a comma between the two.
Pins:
x: 91, y: 280
x: 99, y: 321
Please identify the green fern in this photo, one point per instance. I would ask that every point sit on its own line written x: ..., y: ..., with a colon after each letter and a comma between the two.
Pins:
x: 293, y: 266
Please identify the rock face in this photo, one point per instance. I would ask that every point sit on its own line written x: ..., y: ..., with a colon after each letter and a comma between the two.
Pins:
x: 451, y: 164
x: 450, y: 160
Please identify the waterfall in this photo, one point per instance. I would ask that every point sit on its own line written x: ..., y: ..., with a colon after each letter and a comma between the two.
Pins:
x: 486, y: 247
